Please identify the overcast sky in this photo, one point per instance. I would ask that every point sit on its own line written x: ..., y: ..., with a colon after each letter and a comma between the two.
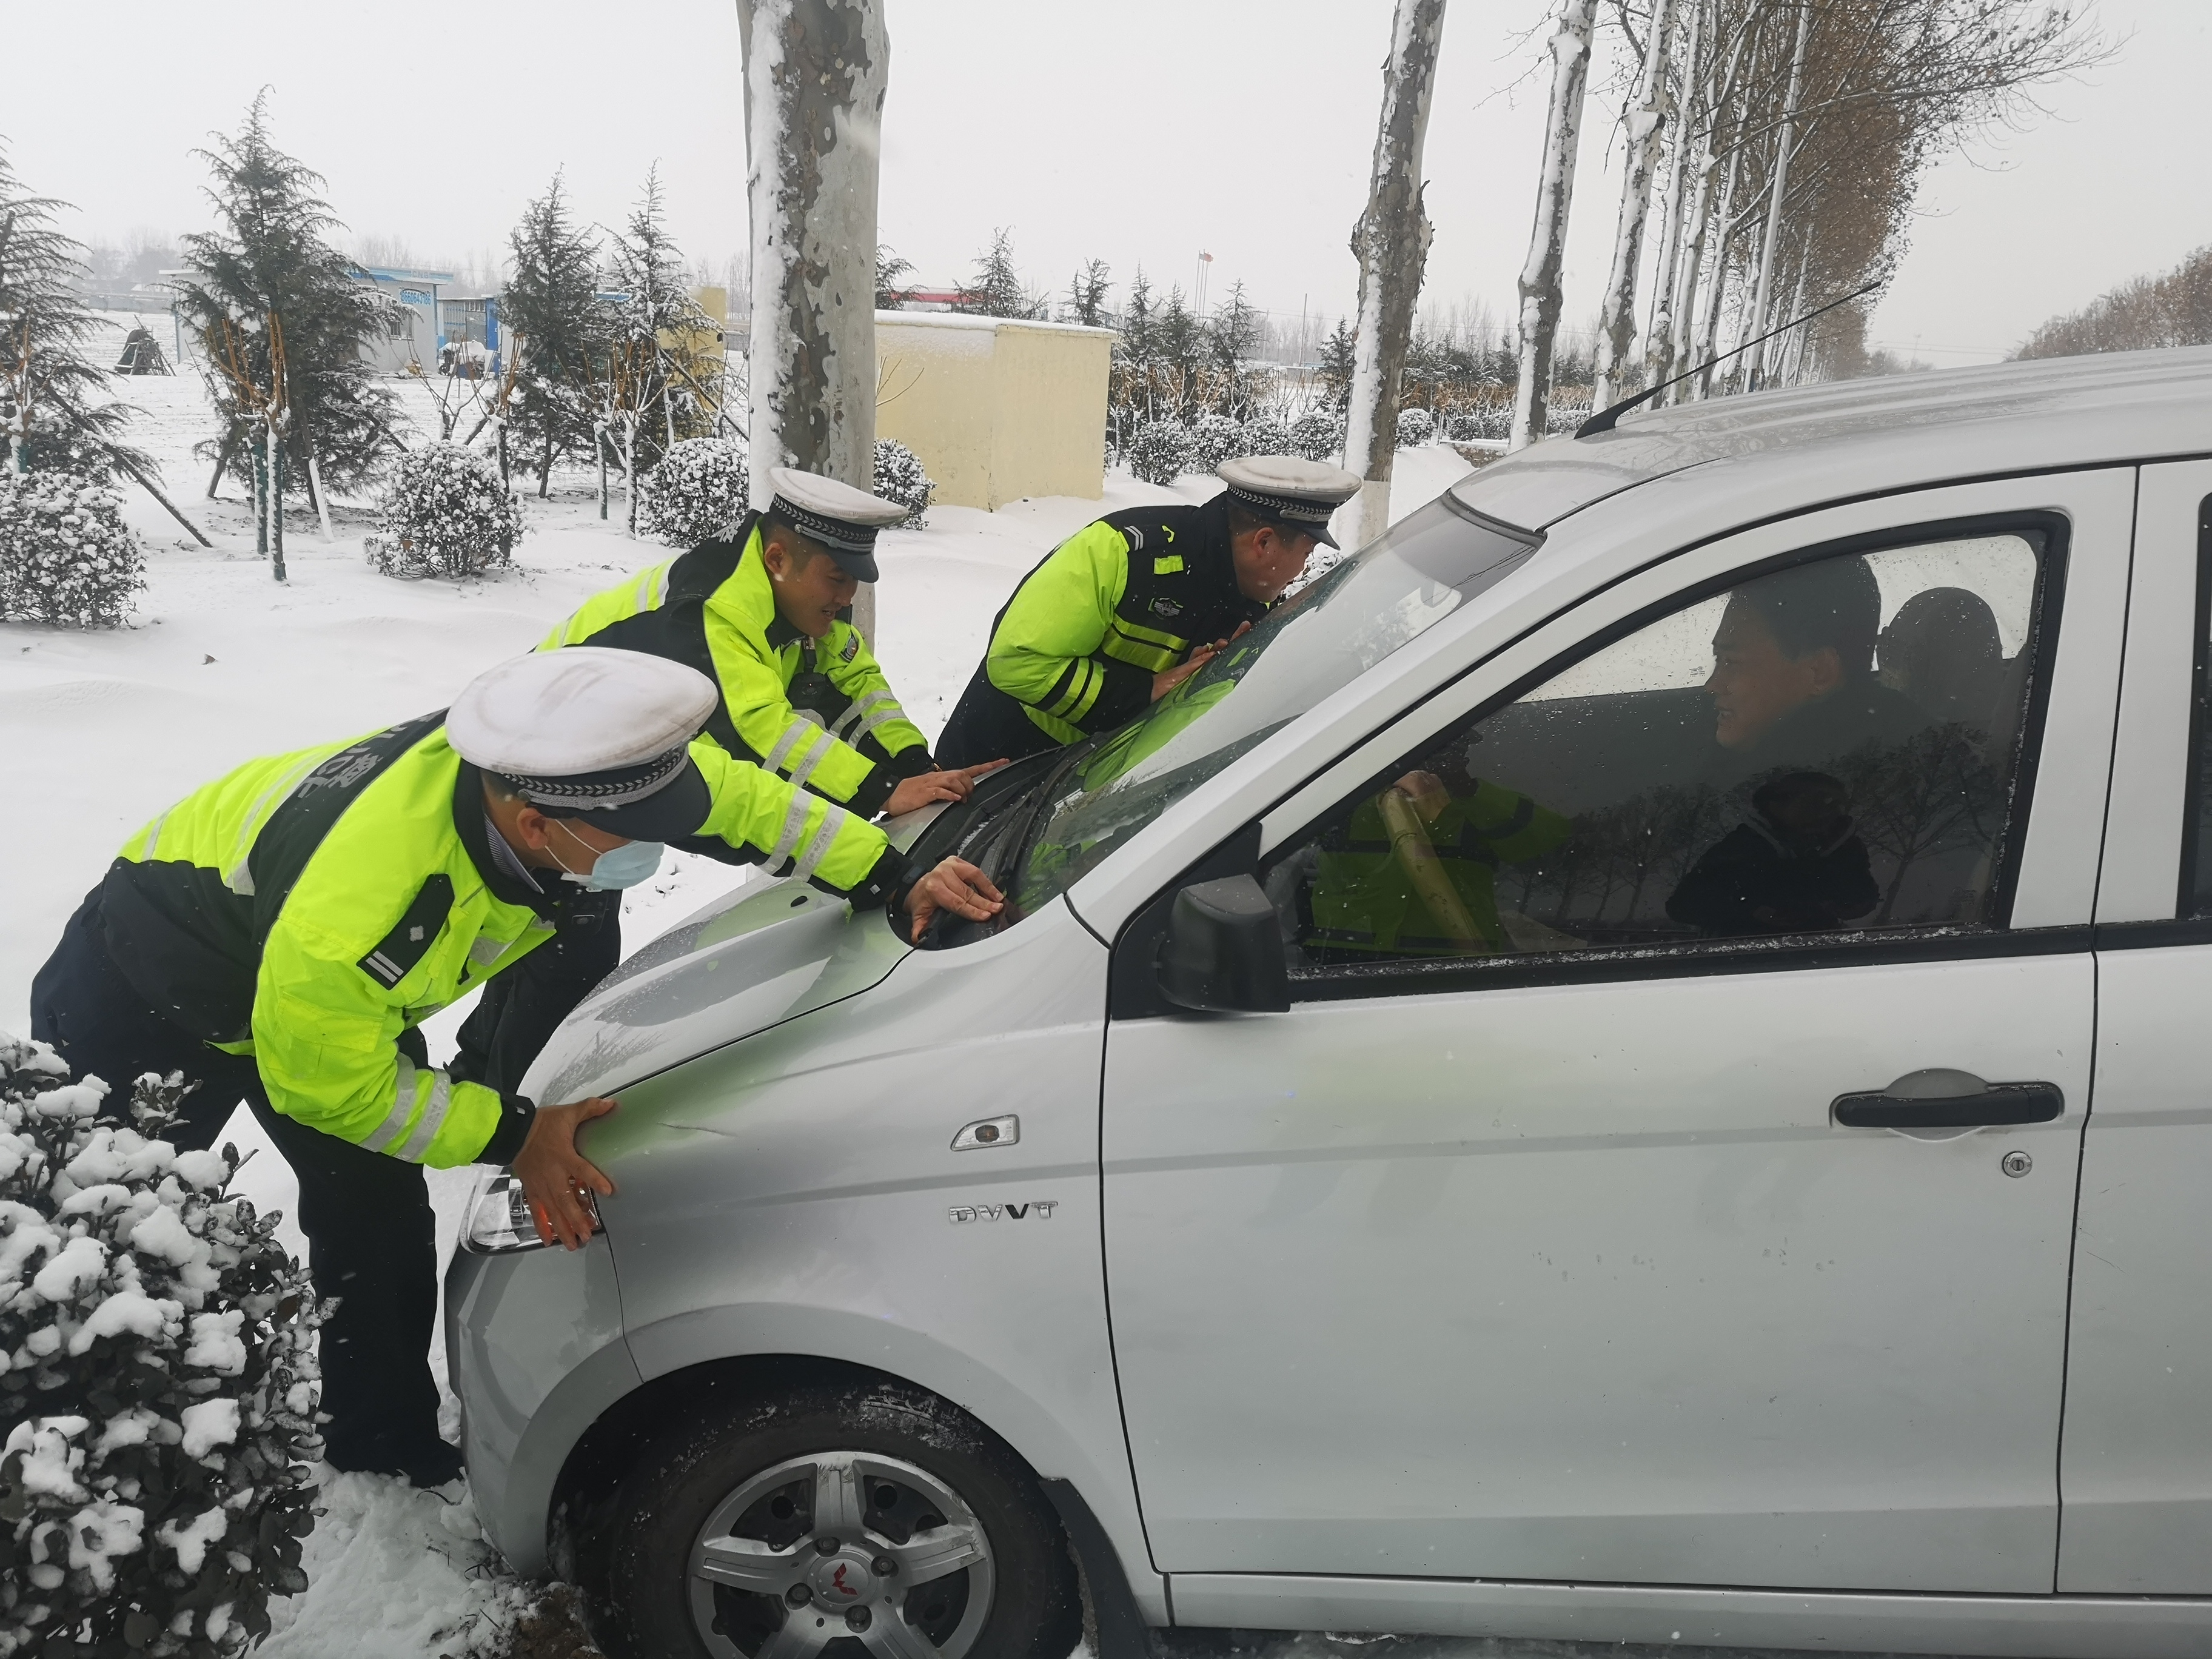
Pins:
x: 1138, y: 130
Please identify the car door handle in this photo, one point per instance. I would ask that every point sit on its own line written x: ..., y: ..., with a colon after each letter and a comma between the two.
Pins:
x: 1993, y: 1104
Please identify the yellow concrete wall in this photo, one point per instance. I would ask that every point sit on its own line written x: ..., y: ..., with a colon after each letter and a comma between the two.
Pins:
x: 996, y: 409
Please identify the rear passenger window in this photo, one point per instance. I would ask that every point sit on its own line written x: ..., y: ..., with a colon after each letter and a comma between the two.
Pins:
x: 2197, y: 831
x: 1831, y: 749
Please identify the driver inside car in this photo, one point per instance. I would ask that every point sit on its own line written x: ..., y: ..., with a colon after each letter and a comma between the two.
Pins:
x: 1793, y: 681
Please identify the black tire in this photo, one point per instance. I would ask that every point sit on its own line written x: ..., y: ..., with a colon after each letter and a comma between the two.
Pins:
x: 647, y: 1595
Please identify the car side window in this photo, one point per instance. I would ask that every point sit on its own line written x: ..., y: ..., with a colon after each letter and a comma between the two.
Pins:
x: 2197, y: 827
x: 1826, y: 751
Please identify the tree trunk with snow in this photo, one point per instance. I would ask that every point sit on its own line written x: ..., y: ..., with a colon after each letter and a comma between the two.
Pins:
x: 1391, y: 242
x: 816, y: 72
x: 1777, y: 194
x: 1708, y: 321
x: 1547, y: 240
x: 1659, y: 336
x: 1617, y: 314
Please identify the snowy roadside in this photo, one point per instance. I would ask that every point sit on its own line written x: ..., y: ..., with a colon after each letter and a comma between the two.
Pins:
x: 102, y: 730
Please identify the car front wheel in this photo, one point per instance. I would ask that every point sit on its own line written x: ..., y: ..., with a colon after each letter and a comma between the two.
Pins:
x: 843, y: 1522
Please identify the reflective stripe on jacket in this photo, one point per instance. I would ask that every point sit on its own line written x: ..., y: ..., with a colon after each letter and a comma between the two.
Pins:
x: 1121, y: 600
x: 309, y: 909
x: 818, y: 712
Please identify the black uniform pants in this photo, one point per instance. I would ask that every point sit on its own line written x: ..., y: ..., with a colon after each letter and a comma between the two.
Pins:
x: 987, y: 725
x: 371, y: 1235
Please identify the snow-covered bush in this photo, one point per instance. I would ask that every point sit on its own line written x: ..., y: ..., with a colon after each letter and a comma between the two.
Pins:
x: 1415, y: 426
x: 157, y: 1381
x: 445, y: 511
x: 1470, y: 422
x: 66, y: 556
x: 697, y: 494
x: 1214, y: 439
x: 1318, y: 434
x: 1160, y: 452
x: 1561, y: 418
x: 1266, y: 436
x: 901, y: 478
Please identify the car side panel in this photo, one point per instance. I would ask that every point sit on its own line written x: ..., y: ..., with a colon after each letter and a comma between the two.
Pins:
x: 2018, y: 1626
x: 798, y: 1193
x: 538, y: 1355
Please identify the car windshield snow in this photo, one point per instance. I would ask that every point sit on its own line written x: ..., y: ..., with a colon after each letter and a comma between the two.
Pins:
x: 1313, y: 643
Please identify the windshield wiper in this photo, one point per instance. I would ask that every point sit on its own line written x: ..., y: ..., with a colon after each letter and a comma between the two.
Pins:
x: 1020, y: 843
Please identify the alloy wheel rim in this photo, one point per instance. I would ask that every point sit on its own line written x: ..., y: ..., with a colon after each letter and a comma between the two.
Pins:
x: 841, y: 1548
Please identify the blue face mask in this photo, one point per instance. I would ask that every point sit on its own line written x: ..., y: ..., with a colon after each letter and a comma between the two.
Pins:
x: 618, y: 867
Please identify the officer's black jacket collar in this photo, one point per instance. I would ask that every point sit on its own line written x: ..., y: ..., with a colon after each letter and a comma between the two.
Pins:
x: 782, y: 632
x: 469, y: 824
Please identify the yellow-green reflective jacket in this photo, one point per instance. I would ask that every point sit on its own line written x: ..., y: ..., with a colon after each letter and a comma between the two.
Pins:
x: 309, y: 909
x: 1121, y: 600
x: 1362, y: 900
x: 818, y: 712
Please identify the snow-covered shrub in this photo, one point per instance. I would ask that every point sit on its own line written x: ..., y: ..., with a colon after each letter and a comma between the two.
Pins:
x: 901, y: 478
x: 1470, y: 422
x: 156, y: 1380
x: 1214, y: 439
x: 697, y: 494
x: 1415, y: 426
x: 1318, y: 434
x: 1160, y: 452
x: 66, y: 556
x: 1562, y: 418
x: 445, y: 511
x: 1266, y: 436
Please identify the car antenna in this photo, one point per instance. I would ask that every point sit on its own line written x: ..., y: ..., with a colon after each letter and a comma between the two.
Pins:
x: 1606, y: 419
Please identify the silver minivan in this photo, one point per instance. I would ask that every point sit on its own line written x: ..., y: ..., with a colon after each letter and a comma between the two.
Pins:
x: 1631, y: 1066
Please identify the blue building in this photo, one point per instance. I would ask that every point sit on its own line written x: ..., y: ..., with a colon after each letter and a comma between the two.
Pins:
x: 418, y: 328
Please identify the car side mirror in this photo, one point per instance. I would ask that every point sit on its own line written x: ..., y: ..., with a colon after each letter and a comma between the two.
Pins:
x: 1223, y: 952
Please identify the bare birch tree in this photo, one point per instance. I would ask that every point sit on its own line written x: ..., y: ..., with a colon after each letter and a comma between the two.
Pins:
x: 1541, y: 298
x: 1617, y: 313
x: 1391, y: 242
x: 816, y: 73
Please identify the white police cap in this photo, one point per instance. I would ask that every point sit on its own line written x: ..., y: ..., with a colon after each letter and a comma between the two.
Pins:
x: 590, y: 733
x: 842, y: 518
x: 1290, y: 490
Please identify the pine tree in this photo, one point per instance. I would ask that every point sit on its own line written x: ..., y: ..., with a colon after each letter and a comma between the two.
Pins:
x: 54, y: 407
x: 1136, y: 358
x: 1231, y: 333
x: 1338, y: 353
x: 1181, y: 347
x: 1087, y: 293
x: 653, y: 393
x: 553, y: 313
x: 997, y: 290
x: 891, y: 271
x: 282, y: 324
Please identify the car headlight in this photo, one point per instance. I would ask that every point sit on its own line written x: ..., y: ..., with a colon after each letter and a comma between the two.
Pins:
x: 499, y: 1218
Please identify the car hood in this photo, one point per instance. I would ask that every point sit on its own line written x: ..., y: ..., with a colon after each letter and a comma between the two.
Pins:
x: 768, y: 952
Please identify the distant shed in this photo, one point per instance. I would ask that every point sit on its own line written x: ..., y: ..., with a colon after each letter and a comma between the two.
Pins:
x: 996, y: 410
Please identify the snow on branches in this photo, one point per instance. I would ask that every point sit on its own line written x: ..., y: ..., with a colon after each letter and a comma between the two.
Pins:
x: 1160, y: 452
x: 445, y: 513
x: 66, y: 556
x: 696, y: 494
x: 900, y: 477
x: 156, y: 1378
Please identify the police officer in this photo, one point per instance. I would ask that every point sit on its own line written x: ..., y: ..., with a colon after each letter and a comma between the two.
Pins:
x: 761, y: 614
x: 1130, y: 606
x: 280, y: 934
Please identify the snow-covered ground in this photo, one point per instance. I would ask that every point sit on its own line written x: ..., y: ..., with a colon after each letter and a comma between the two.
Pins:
x: 102, y: 730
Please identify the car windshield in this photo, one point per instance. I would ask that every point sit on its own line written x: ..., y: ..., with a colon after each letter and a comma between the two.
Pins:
x: 1314, y: 642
